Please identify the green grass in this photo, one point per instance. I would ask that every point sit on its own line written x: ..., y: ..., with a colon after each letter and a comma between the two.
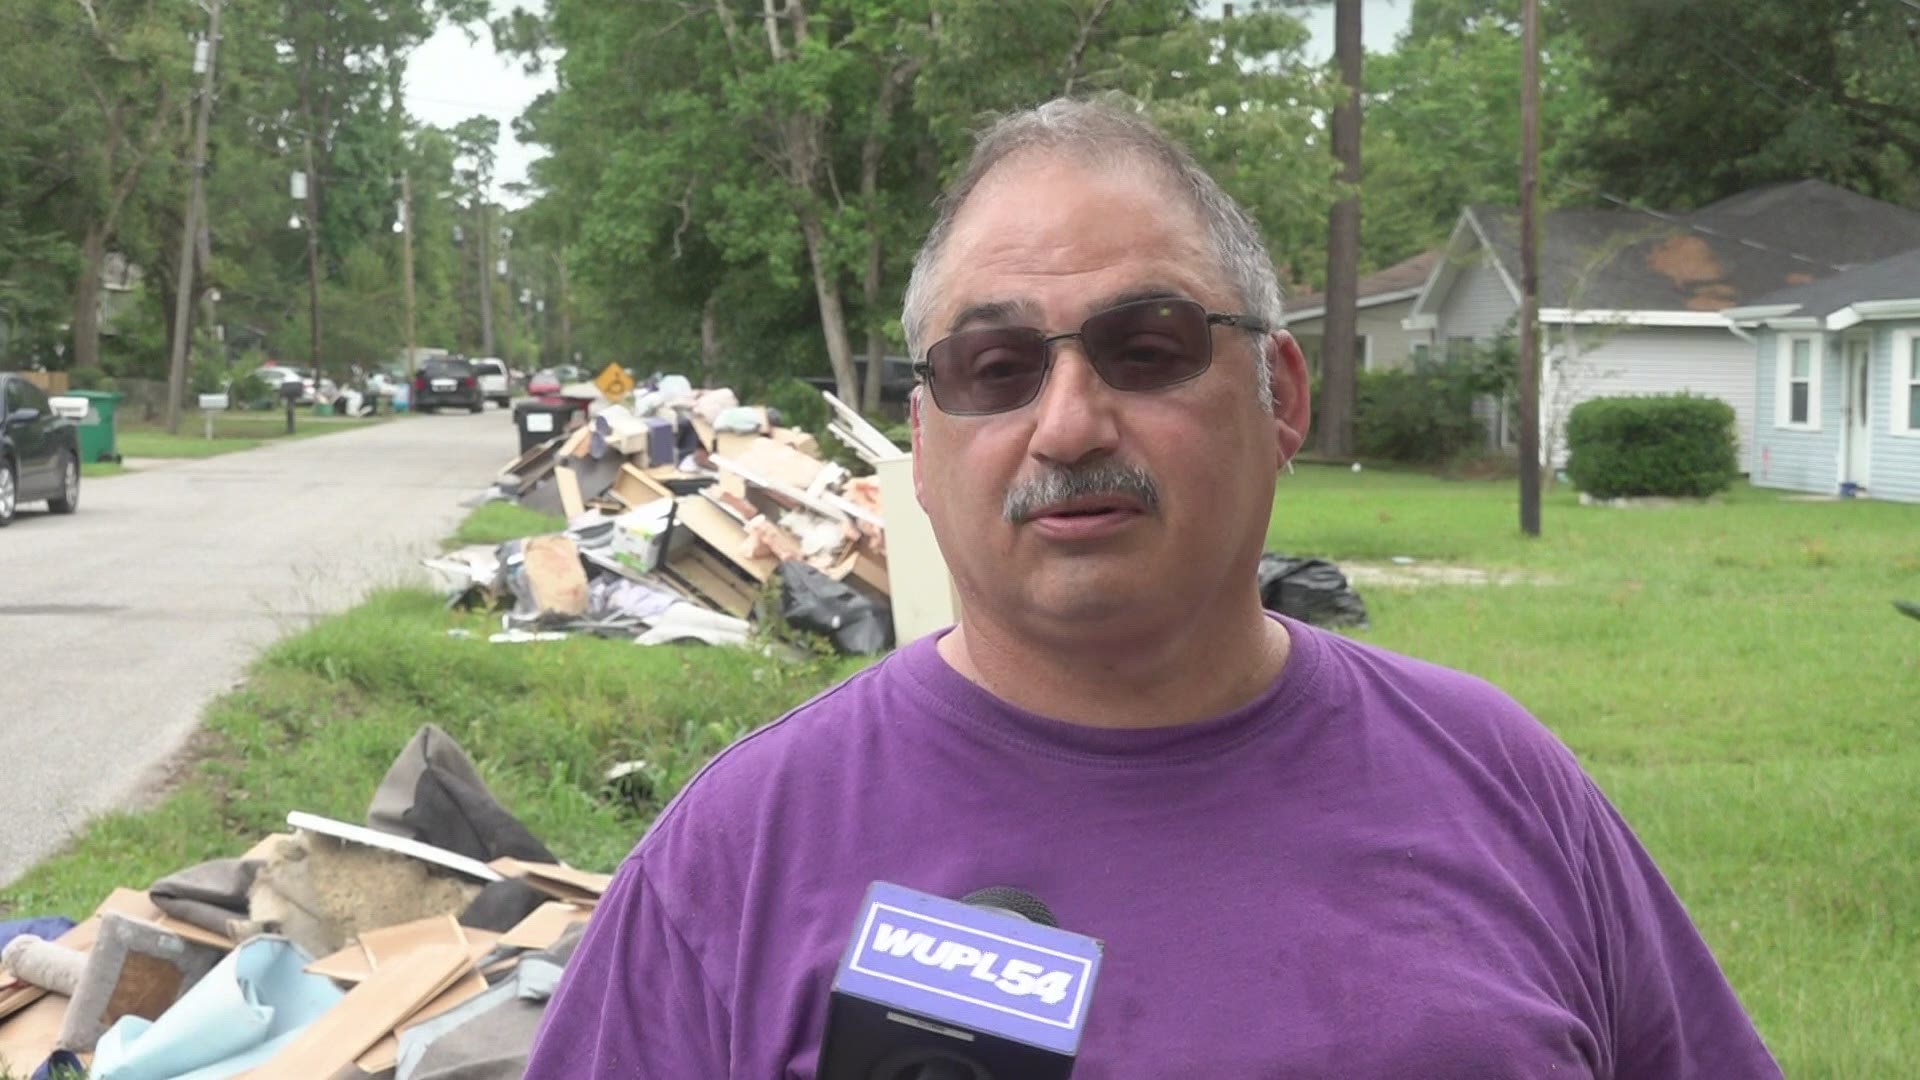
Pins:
x: 498, y: 522
x: 1734, y: 675
x: 102, y: 468
x: 232, y: 431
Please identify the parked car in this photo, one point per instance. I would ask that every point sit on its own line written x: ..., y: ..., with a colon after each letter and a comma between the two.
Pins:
x: 494, y: 382
x: 39, y: 451
x: 442, y: 383
x: 275, y: 377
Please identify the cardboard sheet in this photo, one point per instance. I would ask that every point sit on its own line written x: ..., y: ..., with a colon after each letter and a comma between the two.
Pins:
x: 556, y: 880
x: 27, y: 1038
x: 544, y: 927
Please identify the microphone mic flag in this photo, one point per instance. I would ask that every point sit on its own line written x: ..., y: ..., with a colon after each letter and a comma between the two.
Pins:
x: 933, y: 987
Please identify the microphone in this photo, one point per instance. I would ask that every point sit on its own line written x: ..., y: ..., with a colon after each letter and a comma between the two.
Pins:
x: 986, y: 988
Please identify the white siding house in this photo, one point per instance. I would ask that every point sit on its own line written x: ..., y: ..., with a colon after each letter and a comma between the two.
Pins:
x: 1633, y: 303
x: 1837, y: 383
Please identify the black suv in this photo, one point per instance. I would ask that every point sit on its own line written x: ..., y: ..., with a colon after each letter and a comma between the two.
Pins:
x: 39, y: 451
x: 447, y: 382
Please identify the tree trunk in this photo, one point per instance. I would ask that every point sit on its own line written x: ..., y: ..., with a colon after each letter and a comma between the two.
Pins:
x: 1337, y: 353
x: 709, y: 339
x: 833, y: 319
x: 86, y: 300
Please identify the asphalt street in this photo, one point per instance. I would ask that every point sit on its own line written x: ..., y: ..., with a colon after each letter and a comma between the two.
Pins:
x: 119, y: 623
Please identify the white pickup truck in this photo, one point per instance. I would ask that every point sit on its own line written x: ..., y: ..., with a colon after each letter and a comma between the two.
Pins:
x: 494, y: 385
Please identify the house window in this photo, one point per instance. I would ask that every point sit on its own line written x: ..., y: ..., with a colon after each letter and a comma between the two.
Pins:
x: 1907, y: 378
x: 1363, y: 352
x: 1422, y: 354
x: 1798, y: 384
x: 1458, y: 349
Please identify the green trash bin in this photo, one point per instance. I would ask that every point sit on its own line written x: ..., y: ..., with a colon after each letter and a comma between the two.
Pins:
x: 97, y: 431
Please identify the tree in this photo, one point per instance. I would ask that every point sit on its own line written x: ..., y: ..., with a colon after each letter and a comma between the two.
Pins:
x: 1337, y: 362
x: 767, y: 173
x: 1717, y: 96
x: 1443, y: 123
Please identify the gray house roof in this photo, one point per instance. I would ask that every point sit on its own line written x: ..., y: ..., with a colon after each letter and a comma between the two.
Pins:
x: 1400, y: 281
x: 1721, y: 256
x: 1897, y: 278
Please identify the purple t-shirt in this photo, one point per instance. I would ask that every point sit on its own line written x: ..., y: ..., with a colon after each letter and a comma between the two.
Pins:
x: 1378, y: 868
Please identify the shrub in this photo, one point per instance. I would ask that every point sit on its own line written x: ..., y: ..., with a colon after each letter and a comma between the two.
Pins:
x: 1419, y: 417
x: 1679, y: 446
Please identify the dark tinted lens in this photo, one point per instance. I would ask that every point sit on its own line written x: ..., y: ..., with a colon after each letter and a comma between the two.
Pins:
x: 984, y: 371
x: 1150, y: 344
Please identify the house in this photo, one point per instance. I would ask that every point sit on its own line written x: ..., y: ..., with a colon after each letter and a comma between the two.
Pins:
x: 1837, y: 382
x: 1632, y: 302
x: 1383, y: 302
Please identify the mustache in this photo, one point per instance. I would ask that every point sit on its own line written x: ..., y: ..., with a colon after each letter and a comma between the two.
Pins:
x: 1060, y: 483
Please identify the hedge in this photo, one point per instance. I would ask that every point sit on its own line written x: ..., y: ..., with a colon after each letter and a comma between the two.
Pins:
x: 1678, y: 446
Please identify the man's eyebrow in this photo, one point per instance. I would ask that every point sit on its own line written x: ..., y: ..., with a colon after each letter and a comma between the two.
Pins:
x: 1135, y: 296
x: 993, y: 311
x: 1009, y: 311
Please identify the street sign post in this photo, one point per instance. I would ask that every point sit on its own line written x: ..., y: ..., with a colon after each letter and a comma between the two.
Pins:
x: 614, y: 382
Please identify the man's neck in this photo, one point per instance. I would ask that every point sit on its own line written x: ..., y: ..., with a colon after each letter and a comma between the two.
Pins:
x: 1175, y: 675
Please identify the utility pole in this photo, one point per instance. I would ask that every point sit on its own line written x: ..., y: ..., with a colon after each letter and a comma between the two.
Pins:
x: 1530, y: 271
x: 190, y: 227
x: 406, y: 259
x: 1338, y: 362
x: 486, y: 278
x: 313, y: 258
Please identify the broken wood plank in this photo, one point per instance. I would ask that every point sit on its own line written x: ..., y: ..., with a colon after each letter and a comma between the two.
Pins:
x: 571, y: 502
x: 635, y: 488
x: 727, y: 536
x: 370, y: 1011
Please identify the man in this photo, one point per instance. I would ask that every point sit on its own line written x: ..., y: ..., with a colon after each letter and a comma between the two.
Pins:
x: 1305, y: 856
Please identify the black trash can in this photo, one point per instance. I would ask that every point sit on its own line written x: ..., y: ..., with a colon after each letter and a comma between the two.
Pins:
x: 540, y: 419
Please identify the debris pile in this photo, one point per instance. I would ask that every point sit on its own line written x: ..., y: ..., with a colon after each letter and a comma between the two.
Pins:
x: 684, y: 510
x: 423, y: 945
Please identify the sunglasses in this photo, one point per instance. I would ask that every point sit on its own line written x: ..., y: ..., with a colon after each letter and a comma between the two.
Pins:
x: 1144, y: 345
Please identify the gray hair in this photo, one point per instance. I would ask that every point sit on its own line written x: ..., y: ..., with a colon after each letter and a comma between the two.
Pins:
x: 1106, y: 133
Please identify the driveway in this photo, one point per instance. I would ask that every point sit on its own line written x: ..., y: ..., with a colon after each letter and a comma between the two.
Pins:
x: 118, y: 624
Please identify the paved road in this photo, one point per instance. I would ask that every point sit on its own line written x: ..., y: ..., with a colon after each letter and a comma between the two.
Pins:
x: 119, y: 623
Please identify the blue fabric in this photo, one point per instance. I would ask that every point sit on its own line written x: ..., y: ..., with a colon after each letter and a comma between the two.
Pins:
x: 63, y: 1060
x: 236, y: 1018
x: 47, y: 927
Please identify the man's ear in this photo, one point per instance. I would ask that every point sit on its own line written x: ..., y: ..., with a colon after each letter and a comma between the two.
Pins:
x: 1292, y: 395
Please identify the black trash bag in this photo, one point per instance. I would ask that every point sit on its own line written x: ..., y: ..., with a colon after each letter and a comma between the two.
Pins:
x: 1311, y: 590
x: 810, y: 600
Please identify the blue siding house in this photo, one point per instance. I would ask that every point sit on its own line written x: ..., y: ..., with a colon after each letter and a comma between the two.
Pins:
x: 1837, y: 382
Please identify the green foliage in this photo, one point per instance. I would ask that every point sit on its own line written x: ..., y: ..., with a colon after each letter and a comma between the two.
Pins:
x: 1709, y: 98
x: 1442, y: 124
x: 1678, y: 445
x: 1424, y: 415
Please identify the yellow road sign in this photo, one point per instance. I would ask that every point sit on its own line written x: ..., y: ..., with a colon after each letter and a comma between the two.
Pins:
x: 614, y: 382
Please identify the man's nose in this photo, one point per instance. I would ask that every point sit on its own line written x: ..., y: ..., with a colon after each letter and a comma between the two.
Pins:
x: 1075, y: 417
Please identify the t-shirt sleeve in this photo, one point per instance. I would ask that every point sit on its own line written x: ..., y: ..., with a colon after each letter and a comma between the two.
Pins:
x: 635, y: 1000
x: 1672, y: 1013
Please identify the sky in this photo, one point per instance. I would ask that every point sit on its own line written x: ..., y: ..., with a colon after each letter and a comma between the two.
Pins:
x: 451, y: 78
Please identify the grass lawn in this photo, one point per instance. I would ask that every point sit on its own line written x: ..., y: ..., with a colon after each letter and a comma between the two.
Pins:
x: 231, y: 431
x: 102, y: 468
x: 1734, y: 675
x: 498, y: 522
